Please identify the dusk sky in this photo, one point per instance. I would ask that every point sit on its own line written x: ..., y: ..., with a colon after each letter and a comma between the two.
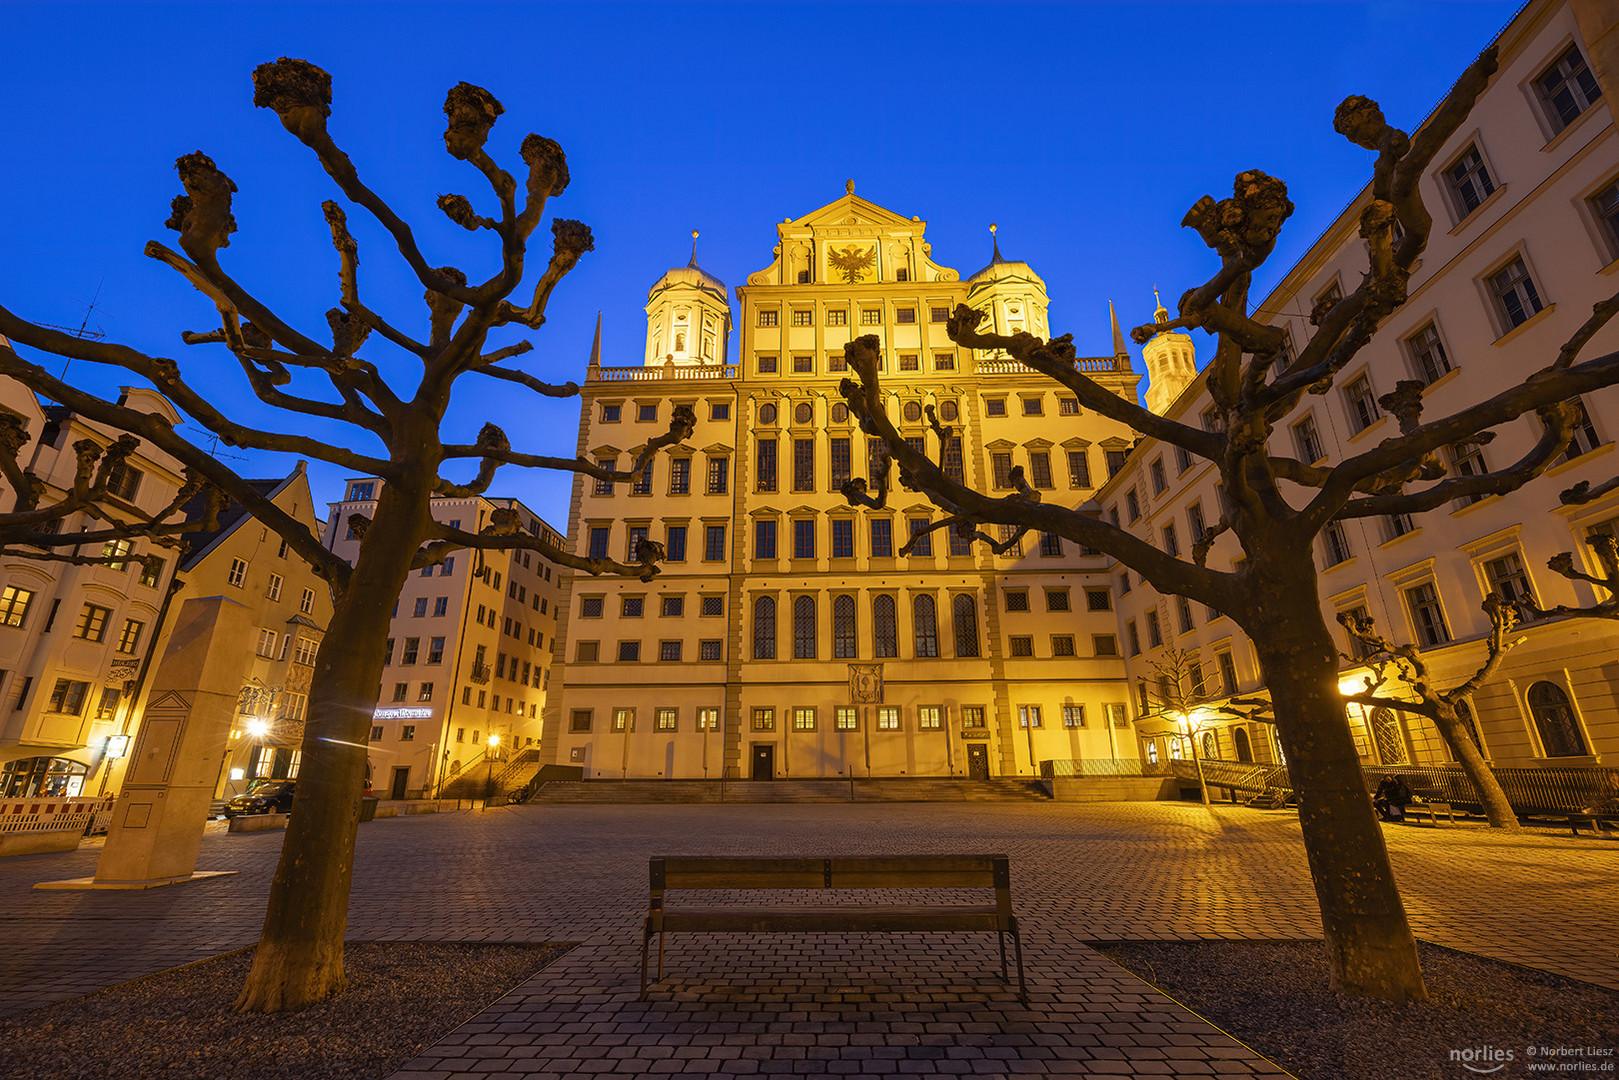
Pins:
x: 1084, y: 130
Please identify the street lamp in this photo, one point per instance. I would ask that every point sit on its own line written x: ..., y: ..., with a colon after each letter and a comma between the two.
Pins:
x: 489, y: 789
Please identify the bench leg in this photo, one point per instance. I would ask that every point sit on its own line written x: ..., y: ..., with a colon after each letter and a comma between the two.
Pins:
x: 660, y: 956
x: 1000, y: 936
x: 1017, y: 944
x: 646, y: 936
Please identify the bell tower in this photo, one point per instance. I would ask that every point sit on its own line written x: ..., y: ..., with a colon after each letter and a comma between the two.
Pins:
x: 1171, y: 361
x: 688, y: 316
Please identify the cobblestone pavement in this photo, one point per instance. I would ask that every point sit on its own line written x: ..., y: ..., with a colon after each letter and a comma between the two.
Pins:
x: 856, y: 1005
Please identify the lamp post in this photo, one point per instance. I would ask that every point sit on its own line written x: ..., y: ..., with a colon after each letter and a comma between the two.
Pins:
x: 489, y: 788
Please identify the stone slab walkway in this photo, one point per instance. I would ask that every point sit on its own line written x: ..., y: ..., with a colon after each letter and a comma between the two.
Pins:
x: 857, y: 1005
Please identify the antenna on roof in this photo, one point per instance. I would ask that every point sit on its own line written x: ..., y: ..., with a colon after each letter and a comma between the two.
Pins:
x: 213, y: 442
x: 83, y: 331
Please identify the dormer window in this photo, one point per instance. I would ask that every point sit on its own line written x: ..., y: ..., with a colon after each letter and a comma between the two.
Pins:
x: 363, y: 491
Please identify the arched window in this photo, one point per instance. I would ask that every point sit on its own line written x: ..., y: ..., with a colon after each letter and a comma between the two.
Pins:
x: 927, y: 626
x: 804, y: 628
x: 1211, y: 745
x: 885, y: 639
x: 844, y: 645
x: 1386, y: 733
x: 1560, y: 734
x: 1245, y: 750
x: 966, y: 618
x: 764, y: 628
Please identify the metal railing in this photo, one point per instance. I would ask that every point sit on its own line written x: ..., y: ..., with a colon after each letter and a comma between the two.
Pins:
x: 1056, y: 767
x: 1551, y: 790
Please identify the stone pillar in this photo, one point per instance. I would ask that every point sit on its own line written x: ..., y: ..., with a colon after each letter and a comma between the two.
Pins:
x: 169, y: 785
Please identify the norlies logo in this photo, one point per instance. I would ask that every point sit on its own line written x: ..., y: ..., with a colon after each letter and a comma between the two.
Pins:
x: 1482, y: 1059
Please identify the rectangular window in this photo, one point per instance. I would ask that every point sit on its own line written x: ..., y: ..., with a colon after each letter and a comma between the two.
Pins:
x: 1073, y: 716
x: 672, y: 607
x: 1336, y: 543
x: 680, y: 476
x: 642, y: 484
x: 1361, y: 403
x: 1516, y: 297
x: 1040, y: 469
x: 938, y: 314
x: 1172, y: 545
x: 1183, y: 459
x: 1104, y: 645
x: 888, y: 718
x: 1079, y: 469
x: 944, y: 361
x: 1062, y: 645
x: 587, y: 653
x: 266, y: 649
x: 1115, y: 461
x: 769, y: 318
x: 714, y: 543
x: 1001, y: 463
x: 1507, y: 577
x: 1467, y: 459
x: 1427, y: 353
x: 1567, y: 88
x: 419, y: 608
x: 425, y: 693
x: 637, y: 536
x: 804, y: 538
x: 764, y: 719
x: 1021, y: 645
x: 803, y: 365
x: 1132, y: 505
x: 905, y: 315
x: 1605, y: 208
x: 840, y: 454
x: 400, y: 690
x: 646, y: 414
x: 837, y: 316
x: 435, y: 649
x: 871, y: 316
x: 124, y: 481
x: 152, y: 571
x: 1308, y: 440
x: 14, y: 604
x: 92, y: 622
x: 600, y: 537
x: 1195, y: 526
x: 1469, y: 182
x: 708, y: 718
x: 804, y: 718
x: 803, y: 464
x: 1017, y: 599
x: 1426, y: 617
x: 995, y: 407
x: 921, y: 541
x: 413, y: 647
x: 1156, y: 472
x: 845, y: 718
x: 910, y: 362
x: 767, y: 363
x: 1184, y: 607
x: 1585, y: 438
x: 1134, y: 637
x: 1028, y: 716
x: 629, y: 651
x: 1398, y: 525
x: 590, y: 607
x: 1034, y: 406
x: 666, y: 719
x: 1228, y: 672
x: 675, y: 547
x: 843, y: 538
x: 1050, y: 544
x: 882, y: 538
x: 579, y: 721
x: 713, y: 605
x: 1155, y: 634
x: 604, y: 485
x: 709, y: 650
x: 803, y: 317
x: 929, y: 718
x: 764, y: 538
x: 633, y: 607
x: 238, y: 573
x: 68, y: 696
x: 719, y: 475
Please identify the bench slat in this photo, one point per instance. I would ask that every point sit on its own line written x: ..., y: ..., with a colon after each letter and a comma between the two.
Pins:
x: 933, y: 871
x: 829, y: 919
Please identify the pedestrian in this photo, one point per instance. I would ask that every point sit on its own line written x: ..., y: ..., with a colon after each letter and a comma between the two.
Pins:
x: 1391, y: 798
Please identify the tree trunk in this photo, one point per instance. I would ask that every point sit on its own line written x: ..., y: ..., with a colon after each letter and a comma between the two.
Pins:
x: 300, y: 955
x: 1369, y: 942
x: 1454, y: 731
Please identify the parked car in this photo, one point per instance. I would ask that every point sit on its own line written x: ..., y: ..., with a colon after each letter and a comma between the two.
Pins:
x: 262, y: 797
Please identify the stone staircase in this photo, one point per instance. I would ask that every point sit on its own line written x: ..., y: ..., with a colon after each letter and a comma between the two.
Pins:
x: 895, y: 789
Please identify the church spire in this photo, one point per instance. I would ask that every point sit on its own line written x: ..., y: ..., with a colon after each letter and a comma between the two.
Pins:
x: 1118, y: 335
x: 995, y: 241
x: 596, y: 346
x: 693, y: 248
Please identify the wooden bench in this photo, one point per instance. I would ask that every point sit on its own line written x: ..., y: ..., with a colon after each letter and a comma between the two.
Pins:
x: 903, y: 872
x: 1433, y: 810
x: 1599, y: 820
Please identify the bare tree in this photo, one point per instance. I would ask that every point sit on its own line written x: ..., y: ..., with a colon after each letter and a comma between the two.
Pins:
x: 1271, y: 593
x: 300, y: 956
x: 33, y: 527
x: 1606, y: 548
x: 1175, y: 695
x: 1446, y: 708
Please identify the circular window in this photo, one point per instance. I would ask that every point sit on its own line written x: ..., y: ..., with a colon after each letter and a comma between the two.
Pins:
x: 767, y: 413
x: 840, y: 413
x: 947, y: 411
x: 803, y: 412
x: 913, y: 411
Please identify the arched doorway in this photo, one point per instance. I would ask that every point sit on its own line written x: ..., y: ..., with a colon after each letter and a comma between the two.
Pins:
x: 1386, y: 733
x: 1245, y: 750
x: 1560, y: 734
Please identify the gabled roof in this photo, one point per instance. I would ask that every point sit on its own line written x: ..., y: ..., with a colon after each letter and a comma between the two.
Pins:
x: 864, y: 212
x: 196, y: 546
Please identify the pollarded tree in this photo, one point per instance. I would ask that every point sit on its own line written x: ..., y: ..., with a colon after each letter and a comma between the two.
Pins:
x: 300, y: 956
x: 1271, y: 593
x: 1450, y: 710
x: 33, y: 526
x: 1174, y: 693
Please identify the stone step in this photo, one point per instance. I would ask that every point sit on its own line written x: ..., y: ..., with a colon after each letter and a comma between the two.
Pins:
x: 888, y: 789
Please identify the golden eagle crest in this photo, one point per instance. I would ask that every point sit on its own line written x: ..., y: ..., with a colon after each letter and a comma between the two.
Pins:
x: 853, y: 261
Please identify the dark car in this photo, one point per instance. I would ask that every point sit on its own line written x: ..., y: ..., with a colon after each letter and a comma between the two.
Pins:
x: 262, y: 797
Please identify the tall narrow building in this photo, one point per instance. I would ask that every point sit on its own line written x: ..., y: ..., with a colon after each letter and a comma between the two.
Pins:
x: 790, y: 634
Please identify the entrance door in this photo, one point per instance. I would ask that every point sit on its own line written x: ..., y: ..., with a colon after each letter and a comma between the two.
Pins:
x: 764, y: 761
x: 401, y: 778
x: 977, y: 761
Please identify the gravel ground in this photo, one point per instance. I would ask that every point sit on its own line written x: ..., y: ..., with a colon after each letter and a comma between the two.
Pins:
x: 179, y: 1024
x: 1273, y: 995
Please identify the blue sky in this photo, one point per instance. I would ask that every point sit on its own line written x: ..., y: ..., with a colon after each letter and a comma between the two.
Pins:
x: 1084, y: 130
